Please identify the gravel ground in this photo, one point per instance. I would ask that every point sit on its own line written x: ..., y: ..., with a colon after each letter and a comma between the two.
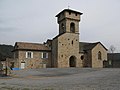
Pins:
x: 62, y: 79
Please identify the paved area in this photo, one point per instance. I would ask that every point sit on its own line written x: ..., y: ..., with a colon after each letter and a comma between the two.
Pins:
x: 62, y: 79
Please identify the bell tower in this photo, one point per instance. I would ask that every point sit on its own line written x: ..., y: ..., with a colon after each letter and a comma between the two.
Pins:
x: 68, y: 21
x: 65, y: 46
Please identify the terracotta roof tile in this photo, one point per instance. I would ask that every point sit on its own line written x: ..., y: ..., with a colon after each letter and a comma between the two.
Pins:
x: 30, y: 46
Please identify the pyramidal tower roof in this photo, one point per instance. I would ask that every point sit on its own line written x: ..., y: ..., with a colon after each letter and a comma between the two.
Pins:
x: 69, y: 10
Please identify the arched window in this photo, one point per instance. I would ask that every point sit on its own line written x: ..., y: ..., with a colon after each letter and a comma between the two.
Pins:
x: 82, y: 57
x: 63, y: 27
x: 99, y: 55
x: 72, y: 27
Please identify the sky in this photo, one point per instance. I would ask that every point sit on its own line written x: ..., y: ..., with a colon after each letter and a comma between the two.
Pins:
x: 35, y: 21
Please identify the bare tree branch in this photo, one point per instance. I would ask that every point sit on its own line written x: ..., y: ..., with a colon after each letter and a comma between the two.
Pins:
x: 112, y: 49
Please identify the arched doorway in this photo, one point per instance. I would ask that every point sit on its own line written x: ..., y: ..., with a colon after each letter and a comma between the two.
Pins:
x: 72, y: 61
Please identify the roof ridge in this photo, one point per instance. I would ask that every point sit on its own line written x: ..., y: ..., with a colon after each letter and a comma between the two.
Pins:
x: 30, y: 43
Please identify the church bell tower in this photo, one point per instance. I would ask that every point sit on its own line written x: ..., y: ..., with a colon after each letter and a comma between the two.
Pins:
x: 65, y: 49
x: 68, y: 21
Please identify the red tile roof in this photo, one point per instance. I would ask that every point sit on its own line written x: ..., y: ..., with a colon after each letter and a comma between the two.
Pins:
x: 30, y: 46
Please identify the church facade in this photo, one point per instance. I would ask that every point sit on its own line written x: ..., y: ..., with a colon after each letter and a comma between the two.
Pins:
x: 64, y: 50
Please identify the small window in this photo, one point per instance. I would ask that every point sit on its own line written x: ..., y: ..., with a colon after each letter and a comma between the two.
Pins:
x: 29, y: 54
x: 63, y: 27
x: 69, y: 13
x: 72, y: 42
x: 75, y: 14
x: 44, y: 55
x: 99, y: 55
x: 82, y: 57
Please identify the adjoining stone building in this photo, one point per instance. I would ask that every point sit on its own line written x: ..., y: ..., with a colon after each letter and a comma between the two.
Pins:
x: 31, y: 55
x: 65, y: 50
x: 113, y: 60
x: 95, y: 54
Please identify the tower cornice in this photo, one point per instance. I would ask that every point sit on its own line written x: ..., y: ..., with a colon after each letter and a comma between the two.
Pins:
x: 69, y: 10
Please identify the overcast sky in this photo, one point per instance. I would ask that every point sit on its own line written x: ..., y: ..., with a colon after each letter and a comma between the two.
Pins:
x: 35, y: 21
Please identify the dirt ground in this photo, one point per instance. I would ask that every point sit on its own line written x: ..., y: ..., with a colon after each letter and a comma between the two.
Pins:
x: 62, y: 79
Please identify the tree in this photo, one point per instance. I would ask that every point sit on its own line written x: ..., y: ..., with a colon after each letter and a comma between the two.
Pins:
x: 112, y: 49
x: 6, y: 51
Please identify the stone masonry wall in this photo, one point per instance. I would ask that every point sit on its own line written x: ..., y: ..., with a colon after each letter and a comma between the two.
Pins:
x: 95, y: 62
x: 68, y: 45
x: 36, y: 61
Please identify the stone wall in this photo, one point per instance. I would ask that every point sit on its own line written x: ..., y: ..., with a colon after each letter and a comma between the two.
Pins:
x: 96, y: 63
x: 54, y: 52
x: 35, y: 62
x: 68, y: 45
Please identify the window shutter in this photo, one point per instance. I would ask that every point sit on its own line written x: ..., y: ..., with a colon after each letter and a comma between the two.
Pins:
x: 42, y: 55
x: 26, y: 55
x: 31, y: 54
x: 46, y: 55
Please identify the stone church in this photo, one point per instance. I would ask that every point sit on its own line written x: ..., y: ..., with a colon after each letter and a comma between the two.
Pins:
x: 64, y: 50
